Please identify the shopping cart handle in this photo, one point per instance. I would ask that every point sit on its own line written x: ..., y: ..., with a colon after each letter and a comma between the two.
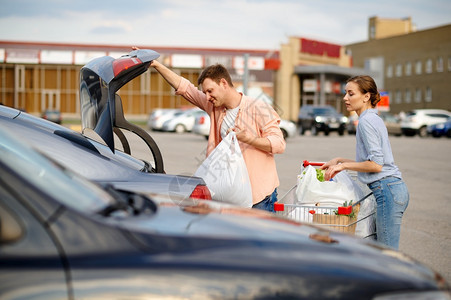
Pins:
x: 311, y: 163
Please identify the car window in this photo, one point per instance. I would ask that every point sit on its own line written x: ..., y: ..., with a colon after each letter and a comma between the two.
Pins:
x: 323, y: 111
x: 438, y: 115
x: 47, y: 176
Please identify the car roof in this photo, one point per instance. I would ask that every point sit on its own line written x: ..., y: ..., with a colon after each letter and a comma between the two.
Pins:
x: 431, y: 110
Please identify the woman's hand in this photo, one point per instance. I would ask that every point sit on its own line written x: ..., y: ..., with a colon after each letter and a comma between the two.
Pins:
x: 333, y: 170
x: 331, y: 162
x: 332, y: 167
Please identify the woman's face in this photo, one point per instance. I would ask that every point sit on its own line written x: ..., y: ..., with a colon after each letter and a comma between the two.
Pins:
x: 355, y: 100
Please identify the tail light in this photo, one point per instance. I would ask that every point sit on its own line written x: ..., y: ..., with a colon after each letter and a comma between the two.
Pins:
x: 201, y: 192
x: 201, y: 120
x: 122, y: 64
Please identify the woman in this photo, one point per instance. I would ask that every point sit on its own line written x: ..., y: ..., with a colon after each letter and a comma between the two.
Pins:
x: 374, y: 160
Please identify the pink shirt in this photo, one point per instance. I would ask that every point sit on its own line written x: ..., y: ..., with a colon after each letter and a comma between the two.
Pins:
x: 258, y: 117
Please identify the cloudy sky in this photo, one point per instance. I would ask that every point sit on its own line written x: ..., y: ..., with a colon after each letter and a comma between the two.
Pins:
x: 244, y: 24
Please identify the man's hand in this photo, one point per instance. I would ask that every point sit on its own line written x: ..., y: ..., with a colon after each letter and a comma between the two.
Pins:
x: 152, y: 63
x: 244, y: 135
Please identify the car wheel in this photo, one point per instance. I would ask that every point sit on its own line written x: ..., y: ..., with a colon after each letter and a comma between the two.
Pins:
x: 301, y: 130
x: 285, y: 133
x: 341, y: 131
x: 314, y: 131
x: 436, y: 134
x: 448, y: 133
x: 408, y: 132
x: 179, y: 128
x: 423, y: 132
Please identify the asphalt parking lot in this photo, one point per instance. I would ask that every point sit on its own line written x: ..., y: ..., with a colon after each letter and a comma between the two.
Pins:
x: 426, y: 228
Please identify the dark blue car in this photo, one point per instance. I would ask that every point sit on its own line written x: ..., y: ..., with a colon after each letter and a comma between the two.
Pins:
x: 440, y: 129
x: 63, y: 237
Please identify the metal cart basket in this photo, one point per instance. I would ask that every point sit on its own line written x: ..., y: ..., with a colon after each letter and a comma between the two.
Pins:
x: 339, y: 218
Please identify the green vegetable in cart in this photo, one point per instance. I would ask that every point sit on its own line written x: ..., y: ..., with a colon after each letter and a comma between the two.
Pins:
x: 320, y: 174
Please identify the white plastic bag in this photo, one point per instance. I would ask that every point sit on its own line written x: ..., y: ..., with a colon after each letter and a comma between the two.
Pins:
x: 310, y: 191
x: 225, y: 173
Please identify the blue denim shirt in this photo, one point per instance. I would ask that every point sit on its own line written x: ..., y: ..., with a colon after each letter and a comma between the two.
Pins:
x: 373, y: 144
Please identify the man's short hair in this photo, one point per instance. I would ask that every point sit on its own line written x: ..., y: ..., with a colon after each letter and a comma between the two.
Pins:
x: 215, y: 73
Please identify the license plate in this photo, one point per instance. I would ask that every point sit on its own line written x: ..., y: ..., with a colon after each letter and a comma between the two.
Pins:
x: 333, y: 125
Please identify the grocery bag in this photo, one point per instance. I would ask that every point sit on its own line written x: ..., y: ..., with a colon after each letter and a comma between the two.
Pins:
x: 311, y: 191
x: 225, y: 173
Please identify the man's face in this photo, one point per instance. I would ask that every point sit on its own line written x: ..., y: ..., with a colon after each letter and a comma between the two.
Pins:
x: 214, y: 91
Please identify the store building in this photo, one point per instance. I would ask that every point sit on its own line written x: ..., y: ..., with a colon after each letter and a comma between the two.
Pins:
x: 37, y: 76
x: 311, y: 72
x: 413, y: 67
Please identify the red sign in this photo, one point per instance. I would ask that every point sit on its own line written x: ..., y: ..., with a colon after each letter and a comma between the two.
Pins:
x: 320, y: 48
x: 384, y: 104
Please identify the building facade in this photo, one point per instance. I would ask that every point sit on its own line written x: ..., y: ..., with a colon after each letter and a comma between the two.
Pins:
x: 36, y: 76
x: 311, y: 72
x: 414, y: 68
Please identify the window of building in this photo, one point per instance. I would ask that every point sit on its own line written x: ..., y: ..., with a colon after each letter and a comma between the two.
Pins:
x: 428, y: 96
x: 389, y: 71
x: 418, y: 67
x: 372, y: 32
x: 398, y: 70
x: 439, y: 64
x: 408, y: 68
x: 398, y: 97
x: 429, y: 66
x: 418, y: 95
x: 408, y: 96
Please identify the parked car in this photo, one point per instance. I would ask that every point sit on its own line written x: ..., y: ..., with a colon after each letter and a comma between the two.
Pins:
x: 417, y: 121
x: 289, y: 128
x: 95, y: 159
x: 182, y: 121
x: 202, y: 126
x: 52, y: 115
x: 392, y: 122
x: 160, y: 115
x: 440, y: 129
x: 63, y: 237
x: 351, y: 126
x: 321, y: 118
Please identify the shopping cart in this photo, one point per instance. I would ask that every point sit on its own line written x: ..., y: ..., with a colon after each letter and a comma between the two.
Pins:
x: 340, y: 218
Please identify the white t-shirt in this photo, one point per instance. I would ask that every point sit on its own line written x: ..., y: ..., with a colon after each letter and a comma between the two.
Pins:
x: 229, y: 120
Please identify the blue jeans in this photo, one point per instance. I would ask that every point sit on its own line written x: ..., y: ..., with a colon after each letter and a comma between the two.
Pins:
x: 268, y: 202
x: 392, y: 198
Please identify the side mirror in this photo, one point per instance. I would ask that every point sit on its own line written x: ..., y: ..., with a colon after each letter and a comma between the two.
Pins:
x: 10, y: 228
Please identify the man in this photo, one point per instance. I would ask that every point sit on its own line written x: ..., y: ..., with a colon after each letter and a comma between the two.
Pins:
x: 255, y: 122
